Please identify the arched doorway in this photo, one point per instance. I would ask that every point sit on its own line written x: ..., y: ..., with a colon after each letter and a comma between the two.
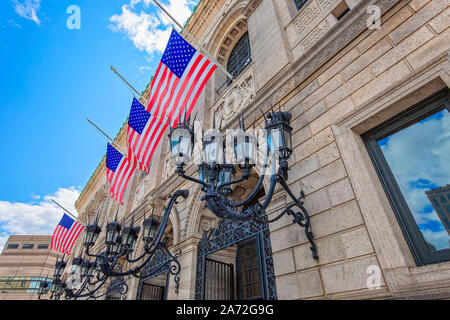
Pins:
x: 234, y: 259
x: 154, y: 284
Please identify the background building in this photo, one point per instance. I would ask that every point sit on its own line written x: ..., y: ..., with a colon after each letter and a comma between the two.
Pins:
x: 440, y: 199
x: 366, y: 82
x: 24, y: 262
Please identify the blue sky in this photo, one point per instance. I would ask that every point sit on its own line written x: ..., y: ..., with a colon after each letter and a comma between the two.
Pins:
x: 52, y: 78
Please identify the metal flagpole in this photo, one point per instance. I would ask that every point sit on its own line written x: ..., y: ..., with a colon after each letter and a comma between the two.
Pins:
x: 112, y: 141
x: 127, y: 83
x: 66, y: 211
x: 199, y: 46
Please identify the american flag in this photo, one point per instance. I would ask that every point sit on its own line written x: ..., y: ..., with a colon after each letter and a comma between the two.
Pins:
x: 139, y: 137
x: 119, y: 170
x: 180, y: 78
x: 65, y: 234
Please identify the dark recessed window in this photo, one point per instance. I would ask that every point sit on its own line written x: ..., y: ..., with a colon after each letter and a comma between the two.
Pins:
x: 13, y: 246
x: 411, y: 154
x: 343, y: 14
x: 240, y: 57
x: 300, y: 3
x: 42, y: 246
x: 28, y: 246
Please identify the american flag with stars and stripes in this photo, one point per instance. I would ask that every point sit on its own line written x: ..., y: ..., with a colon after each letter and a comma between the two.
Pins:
x: 180, y: 78
x: 119, y: 170
x: 139, y: 121
x: 65, y: 234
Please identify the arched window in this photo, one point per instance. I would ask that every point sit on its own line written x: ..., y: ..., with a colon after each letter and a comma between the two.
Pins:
x: 240, y: 57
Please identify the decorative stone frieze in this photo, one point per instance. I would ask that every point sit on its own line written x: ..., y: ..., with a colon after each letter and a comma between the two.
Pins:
x: 236, y: 97
x: 319, y: 53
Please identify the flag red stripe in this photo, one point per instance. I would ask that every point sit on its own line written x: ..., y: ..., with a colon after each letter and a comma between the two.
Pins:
x: 75, y: 238
x: 163, y: 77
x: 60, y: 242
x: 199, y: 91
x: 197, y: 77
x: 159, y: 137
x: 72, y: 234
x: 185, y: 83
x: 58, y: 237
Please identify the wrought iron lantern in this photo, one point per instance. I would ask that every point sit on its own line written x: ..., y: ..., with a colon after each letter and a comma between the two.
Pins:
x: 115, y: 247
x: 245, y: 145
x: 129, y: 236
x: 226, y: 175
x: 181, y: 143
x: 279, y: 138
x: 112, y: 232
x: 44, y: 288
x: 92, y: 232
x: 59, y: 268
x: 212, y: 147
x: 150, y: 226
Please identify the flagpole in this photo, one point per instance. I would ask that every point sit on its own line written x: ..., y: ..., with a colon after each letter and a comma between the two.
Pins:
x: 112, y: 141
x: 127, y: 83
x: 66, y: 210
x: 199, y: 46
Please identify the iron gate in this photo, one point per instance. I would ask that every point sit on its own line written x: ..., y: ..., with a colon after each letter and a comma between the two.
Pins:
x: 227, y: 234
x: 219, y: 284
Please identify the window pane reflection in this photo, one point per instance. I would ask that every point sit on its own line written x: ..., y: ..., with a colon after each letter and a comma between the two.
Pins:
x: 419, y: 158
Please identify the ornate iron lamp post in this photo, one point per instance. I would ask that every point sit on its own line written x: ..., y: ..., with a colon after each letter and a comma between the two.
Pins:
x: 216, y: 178
x: 120, y: 244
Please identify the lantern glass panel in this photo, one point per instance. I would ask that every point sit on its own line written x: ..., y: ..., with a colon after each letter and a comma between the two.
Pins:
x: 288, y: 138
x: 245, y: 148
x: 181, y: 145
x: 150, y: 226
x: 275, y: 140
x: 226, y: 175
x: 203, y: 173
x: 213, y: 147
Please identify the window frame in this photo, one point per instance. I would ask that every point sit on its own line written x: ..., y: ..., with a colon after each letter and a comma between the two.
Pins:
x: 28, y: 246
x: 240, y: 65
x: 414, y: 237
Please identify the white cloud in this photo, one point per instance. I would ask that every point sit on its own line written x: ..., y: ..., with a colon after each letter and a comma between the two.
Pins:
x: 27, y: 9
x: 36, y: 217
x: 143, y: 69
x: 150, y: 32
x: 14, y: 24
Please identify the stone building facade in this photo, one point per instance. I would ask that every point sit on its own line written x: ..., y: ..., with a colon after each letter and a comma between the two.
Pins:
x: 345, y: 77
x: 25, y: 261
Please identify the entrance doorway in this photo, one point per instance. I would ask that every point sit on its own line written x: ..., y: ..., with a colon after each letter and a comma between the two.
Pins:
x: 152, y: 292
x: 235, y: 262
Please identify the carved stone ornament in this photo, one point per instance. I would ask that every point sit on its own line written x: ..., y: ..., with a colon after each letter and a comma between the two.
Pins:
x: 237, y: 97
x: 168, y: 169
x: 141, y: 190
